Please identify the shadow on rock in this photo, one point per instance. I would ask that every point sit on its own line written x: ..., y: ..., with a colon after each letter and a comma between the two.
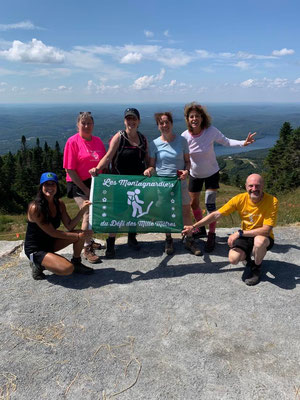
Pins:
x: 284, y: 275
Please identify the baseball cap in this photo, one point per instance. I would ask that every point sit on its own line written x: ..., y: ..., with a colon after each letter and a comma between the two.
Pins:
x: 48, y: 176
x: 132, y: 111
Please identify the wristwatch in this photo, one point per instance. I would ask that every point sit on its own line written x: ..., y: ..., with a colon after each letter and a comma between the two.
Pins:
x: 240, y: 233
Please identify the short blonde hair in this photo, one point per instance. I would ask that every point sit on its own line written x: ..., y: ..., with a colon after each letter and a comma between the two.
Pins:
x: 206, y: 119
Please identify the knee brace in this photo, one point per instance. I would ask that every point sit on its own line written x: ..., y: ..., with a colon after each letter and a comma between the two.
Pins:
x: 210, y: 200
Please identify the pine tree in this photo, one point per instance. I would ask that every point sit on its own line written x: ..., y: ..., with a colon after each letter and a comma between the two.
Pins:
x: 282, y: 165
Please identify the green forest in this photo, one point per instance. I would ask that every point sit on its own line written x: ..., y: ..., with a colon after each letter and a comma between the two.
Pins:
x: 20, y: 172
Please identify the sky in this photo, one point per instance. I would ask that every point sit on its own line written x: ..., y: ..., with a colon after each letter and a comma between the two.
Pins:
x: 129, y: 51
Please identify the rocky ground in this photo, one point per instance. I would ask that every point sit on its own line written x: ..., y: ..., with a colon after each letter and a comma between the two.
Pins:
x: 150, y: 326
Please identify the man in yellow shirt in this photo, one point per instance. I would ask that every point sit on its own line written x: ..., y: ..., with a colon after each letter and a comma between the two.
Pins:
x: 258, y: 213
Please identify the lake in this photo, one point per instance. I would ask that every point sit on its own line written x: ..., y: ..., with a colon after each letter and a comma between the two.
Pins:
x: 57, y: 122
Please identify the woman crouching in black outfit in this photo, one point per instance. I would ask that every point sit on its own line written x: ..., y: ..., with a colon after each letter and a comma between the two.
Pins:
x: 43, y: 238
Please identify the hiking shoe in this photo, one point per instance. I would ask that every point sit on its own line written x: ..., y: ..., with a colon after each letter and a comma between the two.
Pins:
x: 37, y: 271
x: 199, y: 233
x: 169, y: 249
x: 79, y: 268
x: 191, y: 245
x: 210, y: 243
x: 132, y: 242
x: 89, y: 254
x: 254, y: 277
x: 110, y: 247
x: 96, y: 245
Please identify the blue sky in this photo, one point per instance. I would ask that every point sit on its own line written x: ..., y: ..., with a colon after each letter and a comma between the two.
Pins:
x: 149, y: 51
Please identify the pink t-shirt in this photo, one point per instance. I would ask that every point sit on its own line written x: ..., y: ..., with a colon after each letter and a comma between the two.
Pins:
x: 81, y: 155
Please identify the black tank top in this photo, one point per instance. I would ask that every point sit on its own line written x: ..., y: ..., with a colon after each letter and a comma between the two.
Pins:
x: 130, y: 160
x: 36, y: 239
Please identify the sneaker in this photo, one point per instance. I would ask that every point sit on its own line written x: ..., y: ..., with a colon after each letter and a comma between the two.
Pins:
x: 132, y: 242
x: 169, y: 249
x: 199, y: 233
x: 110, y: 247
x: 80, y: 268
x: 96, y: 246
x: 89, y: 254
x: 191, y: 245
x: 37, y: 271
x: 254, y: 277
x: 210, y: 243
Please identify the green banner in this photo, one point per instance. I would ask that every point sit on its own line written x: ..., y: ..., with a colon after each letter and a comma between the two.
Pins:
x: 124, y: 203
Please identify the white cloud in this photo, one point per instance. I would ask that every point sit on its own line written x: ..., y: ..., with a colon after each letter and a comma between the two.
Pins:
x: 297, y: 81
x: 101, y: 88
x: 3, y: 84
x: 17, y: 89
x: 265, y: 83
x: 60, y: 88
x: 277, y: 83
x: 18, y: 25
x: 242, y: 65
x: 33, y: 52
x: 248, y: 83
x: 53, y: 72
x: 166, y: 33
x: 204, y: 54
x: 283, y: 52
x: 146, y: 81
x: 148, y: 34
x: 131, y: 58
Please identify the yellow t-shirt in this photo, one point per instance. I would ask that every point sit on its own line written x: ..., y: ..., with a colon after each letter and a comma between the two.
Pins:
x: 253, y: 215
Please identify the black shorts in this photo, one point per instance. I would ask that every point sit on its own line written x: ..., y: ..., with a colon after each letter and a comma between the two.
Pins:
x: 211, y: 182
x: 75, y: 191
x: 246, y: 244
x: 37, y: 257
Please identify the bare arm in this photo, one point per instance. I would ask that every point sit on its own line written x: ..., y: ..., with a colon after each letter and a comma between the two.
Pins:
x: 151, y: 169
x: 49, y: 228
x: 265, y: 230
x: 185, y: 172
x: 214, y: 216
x: 104, y: 162
x: 68, y: 222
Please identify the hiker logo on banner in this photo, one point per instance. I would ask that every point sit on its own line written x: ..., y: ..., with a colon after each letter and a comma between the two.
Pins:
x: 124, y: 203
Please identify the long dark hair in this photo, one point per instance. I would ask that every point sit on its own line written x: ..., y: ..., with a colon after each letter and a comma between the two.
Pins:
x: 42, y: 205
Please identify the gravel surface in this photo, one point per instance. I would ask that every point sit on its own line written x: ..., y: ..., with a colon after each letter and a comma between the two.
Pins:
x: 151, y: 326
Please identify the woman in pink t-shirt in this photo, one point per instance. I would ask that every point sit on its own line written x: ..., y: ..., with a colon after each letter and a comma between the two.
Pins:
x: 82, y: 152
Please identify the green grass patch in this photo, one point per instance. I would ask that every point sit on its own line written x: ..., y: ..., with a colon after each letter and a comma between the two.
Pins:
x: 13, y: 227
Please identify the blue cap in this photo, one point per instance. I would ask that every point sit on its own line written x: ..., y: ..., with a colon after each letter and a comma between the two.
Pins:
x: 48, y: 176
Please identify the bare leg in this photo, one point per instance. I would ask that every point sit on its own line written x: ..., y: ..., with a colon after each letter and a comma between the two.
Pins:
x: 236, y: 255
x: 260, y: 248
x: 57, y: 264
x: 85, y: 218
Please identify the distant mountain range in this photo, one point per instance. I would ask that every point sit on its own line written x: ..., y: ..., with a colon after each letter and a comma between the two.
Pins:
x: 53, y: 123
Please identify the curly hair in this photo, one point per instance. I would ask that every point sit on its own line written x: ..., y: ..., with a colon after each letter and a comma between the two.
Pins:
x: 158, y: 116
x: 206, y: 119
